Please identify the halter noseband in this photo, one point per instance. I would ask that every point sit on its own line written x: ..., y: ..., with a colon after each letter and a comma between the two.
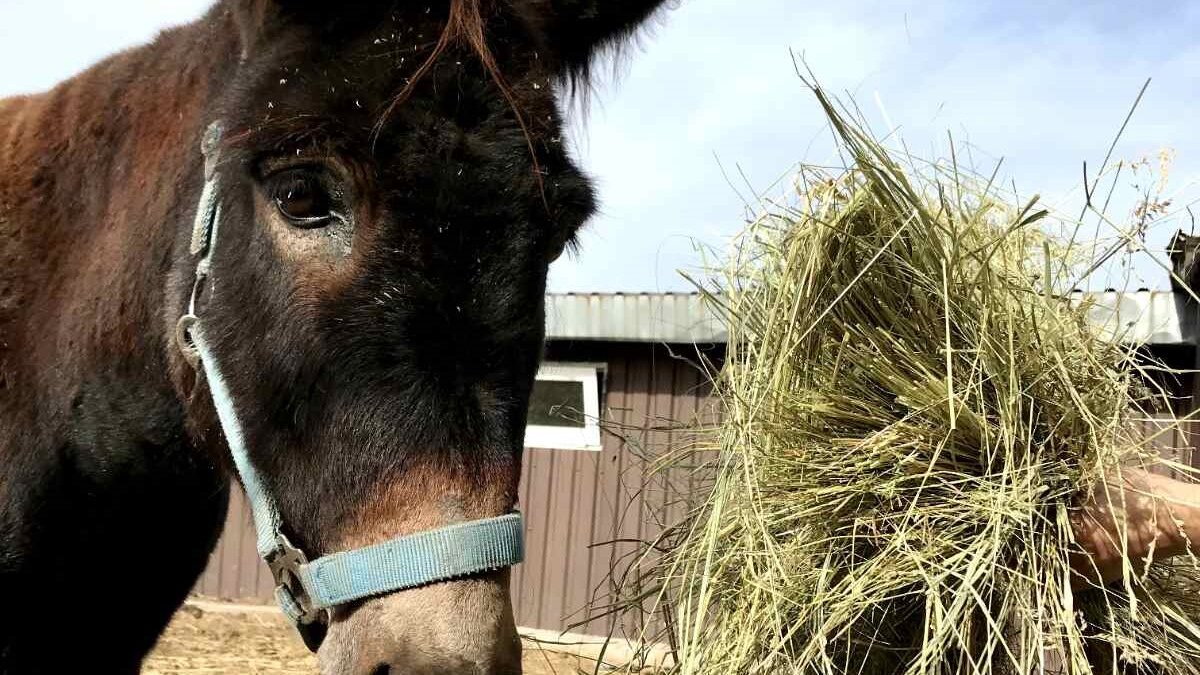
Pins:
x: 306, y: 590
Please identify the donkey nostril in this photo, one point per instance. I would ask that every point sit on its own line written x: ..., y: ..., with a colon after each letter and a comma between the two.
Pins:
x: 384, y: 669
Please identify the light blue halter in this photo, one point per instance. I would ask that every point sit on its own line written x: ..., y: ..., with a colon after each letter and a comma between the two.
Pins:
x: 305, y: 589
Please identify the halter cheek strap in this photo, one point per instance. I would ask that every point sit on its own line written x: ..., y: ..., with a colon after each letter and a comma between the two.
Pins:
x: 306, y: 589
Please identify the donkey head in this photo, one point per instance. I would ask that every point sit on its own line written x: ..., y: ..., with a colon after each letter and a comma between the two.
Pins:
x: 394, y: 187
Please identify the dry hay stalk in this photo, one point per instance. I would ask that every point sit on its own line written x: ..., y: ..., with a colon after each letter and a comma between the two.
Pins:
x: 912, y: 412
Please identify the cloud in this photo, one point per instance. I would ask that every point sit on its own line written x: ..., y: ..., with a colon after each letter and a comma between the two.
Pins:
x: 1044, y: 85
x: 54, y: 39
x: 709, y: 111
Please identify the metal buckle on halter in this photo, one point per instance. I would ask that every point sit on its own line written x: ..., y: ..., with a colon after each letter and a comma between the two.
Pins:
x: 183, y: 340
x: 285, y: 563
x: 183, y: 327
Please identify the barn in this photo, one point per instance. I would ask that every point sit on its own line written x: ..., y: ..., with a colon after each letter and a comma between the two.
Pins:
x: 623, y: 381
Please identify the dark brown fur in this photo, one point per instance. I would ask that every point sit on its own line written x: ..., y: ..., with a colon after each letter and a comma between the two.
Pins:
x: 383, y: 390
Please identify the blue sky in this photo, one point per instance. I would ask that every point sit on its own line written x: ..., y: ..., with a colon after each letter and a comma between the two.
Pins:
x: 1044, y: 85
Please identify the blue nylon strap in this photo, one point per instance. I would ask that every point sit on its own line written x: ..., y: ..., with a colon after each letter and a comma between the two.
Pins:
x: 266, y: 517
x: 405, y: 562
x: 415, y: 560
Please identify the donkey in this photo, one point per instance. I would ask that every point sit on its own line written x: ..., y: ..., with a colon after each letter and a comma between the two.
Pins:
x: 393, y: 186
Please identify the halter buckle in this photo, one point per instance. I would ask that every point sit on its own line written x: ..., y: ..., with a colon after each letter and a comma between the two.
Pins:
x: 183, y: 327
x: 183, y: 340
x: 285, y: 563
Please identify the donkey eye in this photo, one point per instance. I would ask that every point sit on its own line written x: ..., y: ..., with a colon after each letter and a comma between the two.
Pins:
x: 302, y: 198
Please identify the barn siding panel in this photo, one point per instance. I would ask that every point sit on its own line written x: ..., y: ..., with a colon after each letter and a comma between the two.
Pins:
x: 631, y: 501
x: 537, y: 519
x: 607, y: 494
x: 578, y: 551
x: 555, y: 550
x: 517, y: 589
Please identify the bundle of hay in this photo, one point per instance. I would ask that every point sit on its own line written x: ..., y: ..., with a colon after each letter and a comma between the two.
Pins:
x: 912, y: 414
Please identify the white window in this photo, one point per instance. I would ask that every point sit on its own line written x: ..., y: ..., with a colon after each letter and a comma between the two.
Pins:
x: 564, y: 410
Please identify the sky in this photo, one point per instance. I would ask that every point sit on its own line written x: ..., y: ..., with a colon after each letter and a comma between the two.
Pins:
x: 705, y: 114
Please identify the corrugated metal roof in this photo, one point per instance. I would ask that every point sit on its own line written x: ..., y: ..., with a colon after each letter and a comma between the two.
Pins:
x: 641, y: 317
x: 1149, y: 317
x: 1144, y: 317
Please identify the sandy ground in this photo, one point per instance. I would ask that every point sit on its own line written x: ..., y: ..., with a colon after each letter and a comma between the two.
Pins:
x: 202, y: 642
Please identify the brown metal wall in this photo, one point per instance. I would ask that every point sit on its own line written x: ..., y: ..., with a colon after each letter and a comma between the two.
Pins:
x: 575, y: 502
x: 235, y: 572
x: 586, y: 511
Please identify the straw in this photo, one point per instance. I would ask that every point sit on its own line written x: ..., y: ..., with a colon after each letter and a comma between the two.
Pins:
x: 914, y: 406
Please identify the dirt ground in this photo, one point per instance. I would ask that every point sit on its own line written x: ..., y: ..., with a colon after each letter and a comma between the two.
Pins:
x: 202, y: 642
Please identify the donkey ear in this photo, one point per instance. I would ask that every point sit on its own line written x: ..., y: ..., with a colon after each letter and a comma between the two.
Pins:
x: 576, y: 29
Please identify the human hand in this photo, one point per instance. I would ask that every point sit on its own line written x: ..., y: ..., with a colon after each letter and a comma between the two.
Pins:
x: 1132, y: 516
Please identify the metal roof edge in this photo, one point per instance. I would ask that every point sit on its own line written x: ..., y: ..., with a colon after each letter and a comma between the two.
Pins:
x: 1146, y: 317
x: 636, y: 317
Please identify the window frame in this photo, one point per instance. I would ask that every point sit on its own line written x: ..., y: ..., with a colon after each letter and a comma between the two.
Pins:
x: 569, y: 438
